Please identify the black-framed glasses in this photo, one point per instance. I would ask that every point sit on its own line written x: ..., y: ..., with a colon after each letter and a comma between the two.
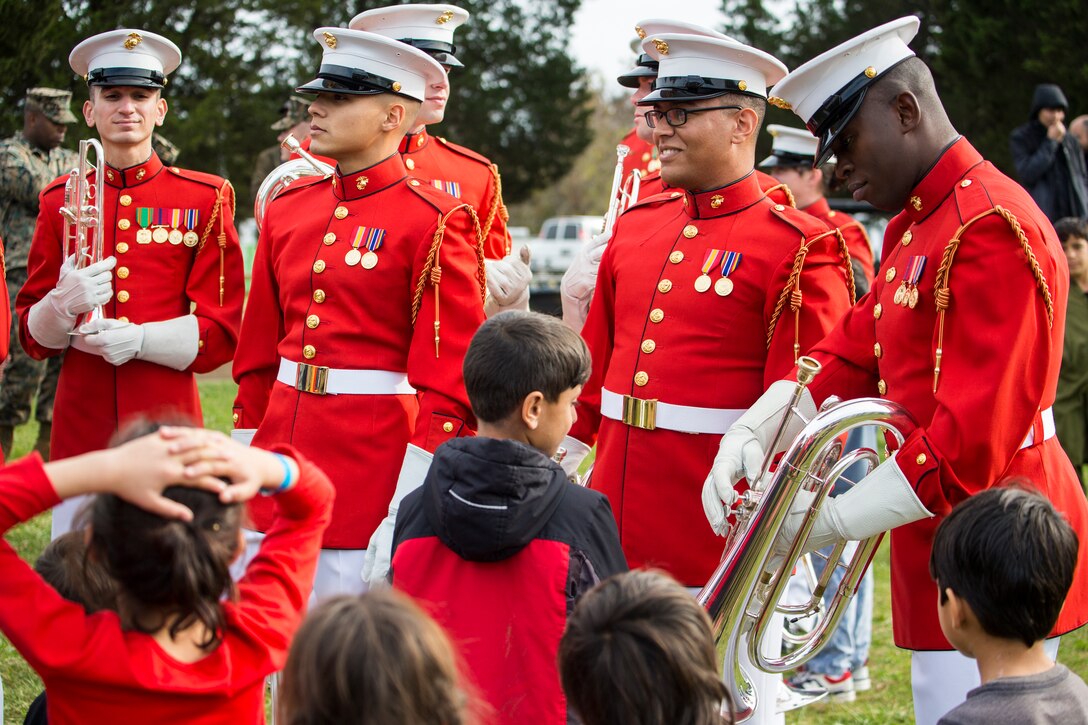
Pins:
x: 679, y: 116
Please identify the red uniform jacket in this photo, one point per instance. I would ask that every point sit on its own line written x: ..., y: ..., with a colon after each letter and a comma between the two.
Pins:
x: 97, y: 672
x: 652, y: 335
x: 153, y: 281
x: 467, y: 175
x: 307, y: 305
x: 857, y: 241
x: 999, y: 358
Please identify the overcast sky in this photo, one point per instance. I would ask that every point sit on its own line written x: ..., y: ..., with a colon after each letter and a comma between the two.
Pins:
x: 604, y: 29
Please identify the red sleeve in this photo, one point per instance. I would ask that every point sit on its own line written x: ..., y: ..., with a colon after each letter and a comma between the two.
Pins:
x: 43, y: 268
x: 444, y: 410
x: 256, y: 361
x: 825, y: 297
x: 216, y: 288
x: 276, y: 586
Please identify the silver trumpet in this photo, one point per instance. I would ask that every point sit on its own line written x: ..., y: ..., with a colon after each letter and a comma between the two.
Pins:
x: 287, y: 172
x: 83, y: 215
x: 743, y: 595
x: 621, y: 196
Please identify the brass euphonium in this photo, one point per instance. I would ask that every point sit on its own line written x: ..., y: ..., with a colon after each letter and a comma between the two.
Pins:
x: 742, y: 597
x: 83, y: 215
x: 287, y: 172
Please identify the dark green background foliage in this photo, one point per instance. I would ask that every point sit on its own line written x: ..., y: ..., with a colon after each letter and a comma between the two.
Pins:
x: 986, y: 55
x: 521, y: 100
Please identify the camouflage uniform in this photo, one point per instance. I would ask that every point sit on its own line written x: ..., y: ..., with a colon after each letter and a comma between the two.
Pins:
x: 294, y: 111
x: 24, y: 172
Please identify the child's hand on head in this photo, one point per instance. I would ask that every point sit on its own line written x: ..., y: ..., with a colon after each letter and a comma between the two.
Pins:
x: 148, y: 465
x: 209, y: 454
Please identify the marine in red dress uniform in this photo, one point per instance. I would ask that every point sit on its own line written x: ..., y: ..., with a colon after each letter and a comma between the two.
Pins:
x: 172, y: 233
x: 367, y: 287
x: 694, y: 310
x: 963, y: 328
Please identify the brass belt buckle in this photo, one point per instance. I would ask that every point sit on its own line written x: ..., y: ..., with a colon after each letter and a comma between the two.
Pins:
x: 640, y: 413
x: 311, y: 378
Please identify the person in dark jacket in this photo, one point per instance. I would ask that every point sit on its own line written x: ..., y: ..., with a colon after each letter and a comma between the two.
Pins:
x: 497, y: 543
x: 1049, y: 160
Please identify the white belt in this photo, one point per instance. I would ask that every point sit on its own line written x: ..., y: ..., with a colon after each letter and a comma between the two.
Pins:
x: 1049, y: 429
x: 321, y: 380
x: 651, y: 414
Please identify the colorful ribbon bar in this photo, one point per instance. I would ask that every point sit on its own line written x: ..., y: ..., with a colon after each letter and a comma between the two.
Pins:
x: 713, y: 257
x: 732, y: 261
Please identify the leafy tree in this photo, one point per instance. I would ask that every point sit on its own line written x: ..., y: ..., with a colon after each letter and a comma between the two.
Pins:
x: 521, y: 100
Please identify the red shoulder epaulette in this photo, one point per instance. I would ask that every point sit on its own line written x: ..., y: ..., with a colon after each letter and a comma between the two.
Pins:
x: 466, y: 152
x: 808, y: 225
x: 434, y: 196
x: 303, y: 183
x: 216, y: 182
x: 661, y: 198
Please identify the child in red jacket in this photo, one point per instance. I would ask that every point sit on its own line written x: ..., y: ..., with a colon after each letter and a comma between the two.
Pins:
x: 165, y: 526
x: 497, y: 543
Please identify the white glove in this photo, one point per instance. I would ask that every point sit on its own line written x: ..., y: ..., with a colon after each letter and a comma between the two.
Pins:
x: 744, y: 447
x: 53, y: 317
x: 81, y: 290
x: 243, y: 435
x: 379, y: 551
x: 171, y: 343
x: 879, y: 502
x: 574, y: 452
x: 114, y: 341
x: 508, y: 282
x: 576, y: 289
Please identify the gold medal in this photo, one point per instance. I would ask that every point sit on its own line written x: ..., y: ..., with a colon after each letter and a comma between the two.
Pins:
x: 352, y: 257
x: 175, y: 237
x: 702, y: 283
x: 190, y: 238
x: 900, y: 293
x: 160, y: 234
x: 143, y: 236
x: 723, y: 287
x: 370, y: 260
x: 913, y: 297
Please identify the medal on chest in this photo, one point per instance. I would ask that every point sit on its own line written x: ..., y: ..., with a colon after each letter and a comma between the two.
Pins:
x: 907, y: 294
x: 369, y: 239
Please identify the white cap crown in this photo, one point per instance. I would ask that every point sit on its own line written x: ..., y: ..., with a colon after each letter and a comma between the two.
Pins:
x: 427, y: 27
x: 125, y: 57
x: 694, y: 67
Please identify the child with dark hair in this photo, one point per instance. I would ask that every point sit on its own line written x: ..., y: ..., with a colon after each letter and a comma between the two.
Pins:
x: 1003, y: 562
x: 1071, y: 402
x: 184, y: 646
x: 639, y: 650
x: 371, y: 660
x: 497, y: 542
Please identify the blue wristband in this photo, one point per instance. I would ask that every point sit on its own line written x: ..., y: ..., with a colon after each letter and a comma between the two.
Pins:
x: 288, y: 477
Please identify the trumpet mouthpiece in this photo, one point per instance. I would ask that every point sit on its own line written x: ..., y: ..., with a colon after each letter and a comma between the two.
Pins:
x: 807, y: 369
x: 291, y: 144
x: 622, y: 150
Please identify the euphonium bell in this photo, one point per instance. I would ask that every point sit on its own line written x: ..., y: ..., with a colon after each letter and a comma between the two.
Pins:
x: 287, y: 172
x: 742, y: 596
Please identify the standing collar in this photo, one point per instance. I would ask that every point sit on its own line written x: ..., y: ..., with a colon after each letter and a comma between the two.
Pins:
x: 370, y: 180
x: 937, y: 184
x: 134, y: 175
x: 413, y: 142
x: 818, y: 208
x: 724, y: 200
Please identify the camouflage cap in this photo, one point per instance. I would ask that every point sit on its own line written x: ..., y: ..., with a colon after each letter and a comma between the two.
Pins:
x: 52, y: 103
x: 295, y: 110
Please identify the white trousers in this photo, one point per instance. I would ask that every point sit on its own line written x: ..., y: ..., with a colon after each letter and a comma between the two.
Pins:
x: 942, y: 679
x: 339, y: 571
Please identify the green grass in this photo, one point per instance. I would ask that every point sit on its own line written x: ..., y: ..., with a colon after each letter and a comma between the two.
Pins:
x: 888, y: 702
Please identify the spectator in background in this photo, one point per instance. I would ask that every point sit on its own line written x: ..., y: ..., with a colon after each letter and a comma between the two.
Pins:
x: 1049, y: 161
x: 1079, y: 129
x: 1071, y: 404
x: 294, y: 120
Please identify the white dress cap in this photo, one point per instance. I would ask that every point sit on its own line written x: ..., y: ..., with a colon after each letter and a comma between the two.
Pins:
x: 125, y: 57
x: 360, y: 63
x: 791, y: 147
x: 646, y: 65
x: 828, y: 90
x: 694, y: 67
x: 427, y: 27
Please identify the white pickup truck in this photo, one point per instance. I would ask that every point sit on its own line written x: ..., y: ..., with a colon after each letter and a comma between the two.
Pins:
x: 554, y: 248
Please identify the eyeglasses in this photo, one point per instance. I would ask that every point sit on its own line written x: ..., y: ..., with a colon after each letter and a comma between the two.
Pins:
x: 679, y: 116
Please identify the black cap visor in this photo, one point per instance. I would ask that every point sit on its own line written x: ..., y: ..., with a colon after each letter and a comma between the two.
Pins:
x: 443, y: 53
x: 350, y: 81
x: 133, y: 77
x: 646, y: 67
x: 692, y: 88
